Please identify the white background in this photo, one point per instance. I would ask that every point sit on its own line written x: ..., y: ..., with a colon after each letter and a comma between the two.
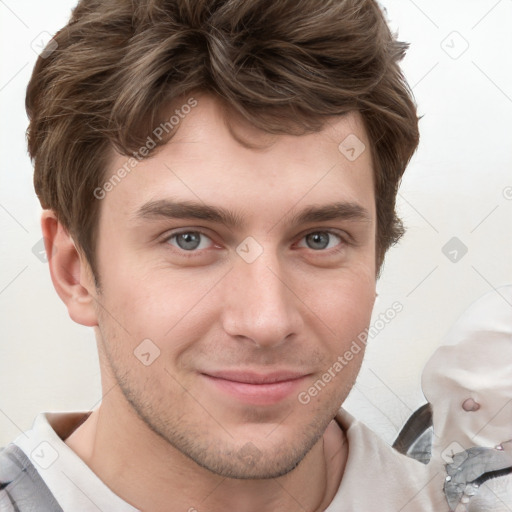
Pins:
x: 456, y: 186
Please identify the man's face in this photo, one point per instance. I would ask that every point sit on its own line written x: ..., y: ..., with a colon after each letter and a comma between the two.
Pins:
x: 239, y: 319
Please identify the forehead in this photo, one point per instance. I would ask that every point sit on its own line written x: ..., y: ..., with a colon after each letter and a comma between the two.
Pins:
x: 205, y: 163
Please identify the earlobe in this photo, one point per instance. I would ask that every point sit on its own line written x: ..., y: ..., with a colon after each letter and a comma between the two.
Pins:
x: 70, y: 272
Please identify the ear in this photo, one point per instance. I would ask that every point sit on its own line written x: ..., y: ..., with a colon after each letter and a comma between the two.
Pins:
x: 71, y: 274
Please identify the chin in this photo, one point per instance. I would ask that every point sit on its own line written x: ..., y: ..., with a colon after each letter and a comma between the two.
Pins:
x: 249, y: 462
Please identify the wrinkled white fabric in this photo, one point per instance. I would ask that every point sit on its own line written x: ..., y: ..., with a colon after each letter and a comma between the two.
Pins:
x: 72, y: 483
x: 378, y: 478
x: 468, y: 382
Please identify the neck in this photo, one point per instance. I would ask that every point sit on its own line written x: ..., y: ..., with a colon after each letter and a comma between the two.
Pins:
x: 147, y: 472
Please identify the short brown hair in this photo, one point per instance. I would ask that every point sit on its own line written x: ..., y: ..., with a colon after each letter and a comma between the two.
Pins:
x: 284, y: 65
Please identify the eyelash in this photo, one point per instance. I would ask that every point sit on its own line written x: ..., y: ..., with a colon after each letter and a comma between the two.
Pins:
x: 344, y: 241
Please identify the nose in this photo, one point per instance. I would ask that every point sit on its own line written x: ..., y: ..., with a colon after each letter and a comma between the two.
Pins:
x: 259, y: 303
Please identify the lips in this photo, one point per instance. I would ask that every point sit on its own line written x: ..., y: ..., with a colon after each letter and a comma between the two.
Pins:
x: 256, y: 388
x: 256, y: 378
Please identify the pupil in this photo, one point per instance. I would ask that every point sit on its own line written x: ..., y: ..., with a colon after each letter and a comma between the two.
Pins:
x: 190, y: 240
x: 319, y: 238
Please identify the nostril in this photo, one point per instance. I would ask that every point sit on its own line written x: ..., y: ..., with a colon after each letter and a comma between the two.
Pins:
x: 470, y: 405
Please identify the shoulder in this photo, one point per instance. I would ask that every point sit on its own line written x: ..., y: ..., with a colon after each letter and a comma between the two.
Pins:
x: 21, y: 487
x: 396, y: 481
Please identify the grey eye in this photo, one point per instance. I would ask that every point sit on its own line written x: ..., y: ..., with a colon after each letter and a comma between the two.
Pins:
x: 189, y: 240
x: 320, y: 240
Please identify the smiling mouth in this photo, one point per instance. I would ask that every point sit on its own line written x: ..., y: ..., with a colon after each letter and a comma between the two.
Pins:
x: 256, y: 388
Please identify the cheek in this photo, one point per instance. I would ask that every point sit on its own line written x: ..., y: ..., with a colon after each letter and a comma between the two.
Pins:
x: 344, y: 301
x: 349, y: 321
x: 170, y: 308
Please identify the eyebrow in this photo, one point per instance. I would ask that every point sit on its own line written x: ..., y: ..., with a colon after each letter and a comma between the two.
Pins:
x: 169, y: 209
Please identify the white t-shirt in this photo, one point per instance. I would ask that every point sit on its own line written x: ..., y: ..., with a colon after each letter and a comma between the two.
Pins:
x: 376, y: 477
